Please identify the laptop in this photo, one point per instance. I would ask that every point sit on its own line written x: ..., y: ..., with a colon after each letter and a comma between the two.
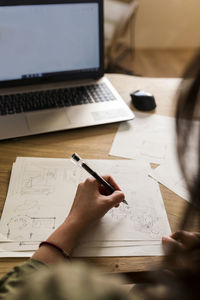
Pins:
x: 51, y: 68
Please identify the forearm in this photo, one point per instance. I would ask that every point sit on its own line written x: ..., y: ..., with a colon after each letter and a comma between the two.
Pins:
x: 65, y: 237
x: 89, y: 205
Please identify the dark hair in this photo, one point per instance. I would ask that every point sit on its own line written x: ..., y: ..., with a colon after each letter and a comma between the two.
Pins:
x: 184, y: 265
x: 179, y: 277
x: 188, y: 134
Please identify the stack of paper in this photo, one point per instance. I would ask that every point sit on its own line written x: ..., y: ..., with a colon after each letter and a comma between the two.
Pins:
x: 169, y: 174
x: 40, y: 195
x: 152, y: 138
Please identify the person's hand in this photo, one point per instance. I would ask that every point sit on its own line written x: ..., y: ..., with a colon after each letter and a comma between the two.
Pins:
x: 92, y: 201
x: 180, y: 240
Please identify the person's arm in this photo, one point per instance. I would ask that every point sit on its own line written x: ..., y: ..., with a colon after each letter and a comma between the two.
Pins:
x: 11, y: 282
x: 90, y: 204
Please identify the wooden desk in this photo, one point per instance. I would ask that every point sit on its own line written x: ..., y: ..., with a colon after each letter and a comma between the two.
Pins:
x: 94, y: 143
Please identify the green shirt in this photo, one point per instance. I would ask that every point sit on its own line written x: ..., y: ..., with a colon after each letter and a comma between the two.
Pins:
x: 71, y: 281
x: 15, y: 279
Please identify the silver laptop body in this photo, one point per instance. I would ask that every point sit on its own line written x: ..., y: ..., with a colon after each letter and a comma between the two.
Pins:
x: 48, y: 45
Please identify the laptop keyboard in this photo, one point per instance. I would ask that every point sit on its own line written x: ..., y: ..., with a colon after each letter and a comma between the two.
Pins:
x: 31, y: 101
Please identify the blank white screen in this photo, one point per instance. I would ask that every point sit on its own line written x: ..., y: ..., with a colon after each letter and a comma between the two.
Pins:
x: 37, y: 39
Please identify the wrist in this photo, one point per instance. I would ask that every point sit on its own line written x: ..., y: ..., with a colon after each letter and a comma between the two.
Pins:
x: 76, y: 224
x: 64, y: 239
x: 66, y: 235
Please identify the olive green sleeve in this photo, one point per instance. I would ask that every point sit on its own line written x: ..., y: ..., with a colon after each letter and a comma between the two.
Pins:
x: 35, y: 280
x: 14, y: 279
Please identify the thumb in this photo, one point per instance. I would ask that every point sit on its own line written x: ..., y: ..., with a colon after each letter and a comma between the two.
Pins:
x: 170, y: 245
x: 116, y: 197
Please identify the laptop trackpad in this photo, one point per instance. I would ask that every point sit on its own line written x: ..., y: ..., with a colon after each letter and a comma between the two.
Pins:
x: 44, y: 121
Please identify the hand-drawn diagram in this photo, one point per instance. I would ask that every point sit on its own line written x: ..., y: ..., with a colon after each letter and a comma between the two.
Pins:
x: 153, y: 150
x: 123, y: 211
x: 40, y: 181
x: 42, y: 192
x: 70, y: 174
x: 169, y: 174
x: 146, y: 221
x: 32, y: 205
x: 149, y: 137
x: 142, y: 219
x: 27, y: 228
x: 142, y: 214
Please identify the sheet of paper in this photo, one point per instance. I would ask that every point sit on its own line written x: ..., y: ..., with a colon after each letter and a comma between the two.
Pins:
x: 169, y: 174
x: 3, y: 238
x: 144, y: 218
x: 15, y: 254
x: 149, y: 137
x: 18, y: 246
x: 144, y: 250
x: 32, y: 210
x: 43, y: 190
x: 105, y: 244
x: 32, y: 246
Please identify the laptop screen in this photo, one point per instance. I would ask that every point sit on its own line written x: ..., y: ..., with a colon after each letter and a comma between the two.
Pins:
x: 50, y: 41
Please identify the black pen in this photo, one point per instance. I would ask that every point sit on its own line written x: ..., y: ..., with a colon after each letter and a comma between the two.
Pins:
x: 76, y: 158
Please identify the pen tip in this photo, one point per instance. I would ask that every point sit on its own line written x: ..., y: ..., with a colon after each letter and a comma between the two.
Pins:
x: 124, y: 201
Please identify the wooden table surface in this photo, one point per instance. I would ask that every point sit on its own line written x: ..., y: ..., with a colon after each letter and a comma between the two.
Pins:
x: 94, y: 143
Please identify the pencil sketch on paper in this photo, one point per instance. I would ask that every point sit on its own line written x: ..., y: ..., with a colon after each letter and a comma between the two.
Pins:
x: 40, y: 181
x: 146, y: 221
x: 141, y: 219
x: 169, y: 174
x: 26, y: 227
x: 153, y: 150
x: 123, y: 211
x: 70, y: 174
x: 27, y: 204
x: 150, y: 137
x: 42, y: 192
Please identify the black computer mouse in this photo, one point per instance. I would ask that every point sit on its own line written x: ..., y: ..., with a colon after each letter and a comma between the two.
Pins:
x: 143, y: 100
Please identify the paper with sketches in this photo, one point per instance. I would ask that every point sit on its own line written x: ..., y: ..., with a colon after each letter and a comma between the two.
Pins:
x: 169, y: 174
x: 3, y: 238
x: 149, y: 137
x: 36, y: 203
x: 31, y: 246
x: 41, y: 193
x: 18, y: 246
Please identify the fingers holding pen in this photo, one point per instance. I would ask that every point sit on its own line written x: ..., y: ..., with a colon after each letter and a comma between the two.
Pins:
x: 103, y: 190
x: 112, y: 182
x: 93, y: 194
x: 117, y: 196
